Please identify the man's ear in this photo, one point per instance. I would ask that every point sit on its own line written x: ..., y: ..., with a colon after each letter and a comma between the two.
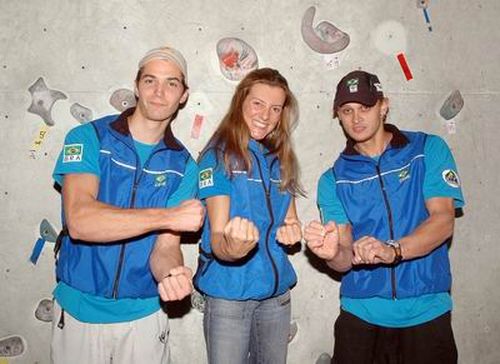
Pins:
x: 184, y: 97
x: 136, y: 92
x: 384, y: 106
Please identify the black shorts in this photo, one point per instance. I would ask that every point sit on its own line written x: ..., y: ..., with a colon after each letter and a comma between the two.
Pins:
x: 359, y: 342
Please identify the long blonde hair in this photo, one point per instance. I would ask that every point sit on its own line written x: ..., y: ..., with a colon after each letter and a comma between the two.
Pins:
x: 232, y: 135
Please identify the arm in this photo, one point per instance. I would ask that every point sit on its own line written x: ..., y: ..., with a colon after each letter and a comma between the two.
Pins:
x: 429, y: 235
x: 91, y: 220
x: 331, y: 242
x: 433, y: 231
x: 231, y: 239
x: 291, y: 231
x: 167, y: 265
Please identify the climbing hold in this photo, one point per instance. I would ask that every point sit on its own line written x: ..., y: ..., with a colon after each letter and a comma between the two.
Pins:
x: 452, y: 105
x: 12, y: 346
x: 122, y: 99
x: 422, y: 4
x: 325, y: 38
x: 236, y: 58
x: 324, y: 358
x: 42, y: 100
x: 81, y: 113
x: 389, y: 37
x: 45, y: 310
x: 47, y: 232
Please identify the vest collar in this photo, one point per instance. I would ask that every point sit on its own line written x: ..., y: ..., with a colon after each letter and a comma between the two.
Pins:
x: 257, y: 146
x: 122, y: 127
x: 399, y: 140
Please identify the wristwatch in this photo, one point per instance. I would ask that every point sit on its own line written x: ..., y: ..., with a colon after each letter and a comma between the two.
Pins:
x: 394, y: 244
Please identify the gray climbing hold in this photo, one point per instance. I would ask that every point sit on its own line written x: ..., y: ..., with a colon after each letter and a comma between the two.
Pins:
x: 45, y: 310
x: 324, y: 358
x: 422, y: 4
x: 198, y: 301
x: 122, y: 99
x: 81, y: 113
x: 47, y: 231
x: 42, y: 100
x: 452, y: 105
x: 294, y: 328
x: 236, y: 58
x: 12, y: 346
x: 325, y: 38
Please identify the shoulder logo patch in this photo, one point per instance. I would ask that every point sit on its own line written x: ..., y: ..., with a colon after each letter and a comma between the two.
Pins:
x: 72, y: 153
x: 206, y: 178
x: 451, y: 178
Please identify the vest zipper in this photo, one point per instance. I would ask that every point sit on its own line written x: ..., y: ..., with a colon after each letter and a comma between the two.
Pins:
x: 132, y: 204
x: 268, y: 232
x: 122, y: 248
x: 391, y: 228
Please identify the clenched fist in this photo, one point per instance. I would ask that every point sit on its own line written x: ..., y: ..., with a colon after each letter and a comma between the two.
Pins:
x: 241, y: 237
x: 188, y: 216
x: 323, y: 240
x: 176, y: 285
x: 290, y: 232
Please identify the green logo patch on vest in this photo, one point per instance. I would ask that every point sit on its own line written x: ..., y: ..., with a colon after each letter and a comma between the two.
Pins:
x: 404, y: 174
x: 451, y: 178
x: 160, y: 180
x: 206, y: 178
x: 72, y: 153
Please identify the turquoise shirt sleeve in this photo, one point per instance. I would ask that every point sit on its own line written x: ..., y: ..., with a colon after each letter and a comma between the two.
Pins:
x: 188, y: 188
x: 441, y: 175
x: 80, y: 153
x: 212, y: 179
x: 330, y: 207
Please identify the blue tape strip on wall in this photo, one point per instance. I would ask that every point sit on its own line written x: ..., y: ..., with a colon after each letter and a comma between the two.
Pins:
x: 37, y: 250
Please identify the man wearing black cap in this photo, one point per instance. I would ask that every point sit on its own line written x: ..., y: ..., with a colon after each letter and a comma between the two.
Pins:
x: 127, y: 191
x: 388, y: 208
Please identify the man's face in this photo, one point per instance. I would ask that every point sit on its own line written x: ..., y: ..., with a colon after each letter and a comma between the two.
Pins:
x: 363, y: 123
x: 160, y: 90
x: 262, y: 109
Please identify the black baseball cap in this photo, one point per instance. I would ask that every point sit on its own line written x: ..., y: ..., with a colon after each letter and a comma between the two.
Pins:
x: 358, y: 86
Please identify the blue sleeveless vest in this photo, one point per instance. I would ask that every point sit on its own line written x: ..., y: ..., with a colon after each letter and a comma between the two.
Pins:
x: 121, y: 269
x: 384, y: 199
x: 266, y: 272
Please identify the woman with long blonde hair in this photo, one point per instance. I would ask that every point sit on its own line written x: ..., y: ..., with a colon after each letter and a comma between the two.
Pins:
x: 249, y: 181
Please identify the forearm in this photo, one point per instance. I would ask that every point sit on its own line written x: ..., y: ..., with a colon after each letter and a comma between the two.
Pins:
x: 428, y: 236
x: 94, y: 221
x: 342, y: 261
x: 164, y: 258
x: 221, y: 248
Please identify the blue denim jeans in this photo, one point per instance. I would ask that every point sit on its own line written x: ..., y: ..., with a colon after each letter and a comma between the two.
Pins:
x: 243, y: 332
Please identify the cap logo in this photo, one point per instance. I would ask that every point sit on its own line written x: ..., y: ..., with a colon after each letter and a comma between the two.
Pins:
x: 353, y: 85
x: 378, y: 86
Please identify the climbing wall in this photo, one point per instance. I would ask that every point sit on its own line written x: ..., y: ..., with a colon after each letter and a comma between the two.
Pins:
x: 65, y: 63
